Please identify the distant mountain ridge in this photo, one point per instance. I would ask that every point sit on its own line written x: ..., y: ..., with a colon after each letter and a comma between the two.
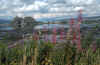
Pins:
x: 3, y: 21
x: 52, y: 19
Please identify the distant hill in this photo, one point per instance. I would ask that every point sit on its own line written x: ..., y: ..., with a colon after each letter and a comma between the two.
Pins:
x: 3, y: 21
x: 65, y: 18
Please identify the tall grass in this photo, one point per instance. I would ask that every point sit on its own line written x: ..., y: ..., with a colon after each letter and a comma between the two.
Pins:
x: 46, y: 53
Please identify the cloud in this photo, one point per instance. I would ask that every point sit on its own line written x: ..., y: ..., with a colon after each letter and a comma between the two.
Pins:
x: 89, y: 7
x: 26, y: 8
x: 34, y: 6
x: 48, y: 8
x: 81, y: 2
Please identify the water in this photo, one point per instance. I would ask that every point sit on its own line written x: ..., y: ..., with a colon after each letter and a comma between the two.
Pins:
x: 3, y: 31
x: 6, y: 28
x: 51, y: 26
x: 84, y: 28
x: 47, y: 26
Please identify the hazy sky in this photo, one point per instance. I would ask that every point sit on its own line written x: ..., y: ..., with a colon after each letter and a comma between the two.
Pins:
x: 48, y: 8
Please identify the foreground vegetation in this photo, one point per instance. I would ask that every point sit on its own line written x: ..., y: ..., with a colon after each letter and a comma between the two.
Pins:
x: 46, y: 53
x: 35, y: 52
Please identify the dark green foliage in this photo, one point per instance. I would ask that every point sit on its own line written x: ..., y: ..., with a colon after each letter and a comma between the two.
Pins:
x: 87, y: 40
x: 98, y: 43
x: 45, y: 50
x: 48, y: 53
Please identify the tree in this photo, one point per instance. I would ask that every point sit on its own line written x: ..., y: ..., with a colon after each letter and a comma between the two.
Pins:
x: 23, y: 25
x: 29, y: 24
x: 17, y: 24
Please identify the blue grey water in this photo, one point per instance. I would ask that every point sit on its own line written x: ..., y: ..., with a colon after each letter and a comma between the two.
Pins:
x: 48, y: 26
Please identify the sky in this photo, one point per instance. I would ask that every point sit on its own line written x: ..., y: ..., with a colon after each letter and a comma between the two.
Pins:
x: 48, y: 8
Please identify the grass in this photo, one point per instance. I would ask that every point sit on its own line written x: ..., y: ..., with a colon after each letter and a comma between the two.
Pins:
x: 32, y: 53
